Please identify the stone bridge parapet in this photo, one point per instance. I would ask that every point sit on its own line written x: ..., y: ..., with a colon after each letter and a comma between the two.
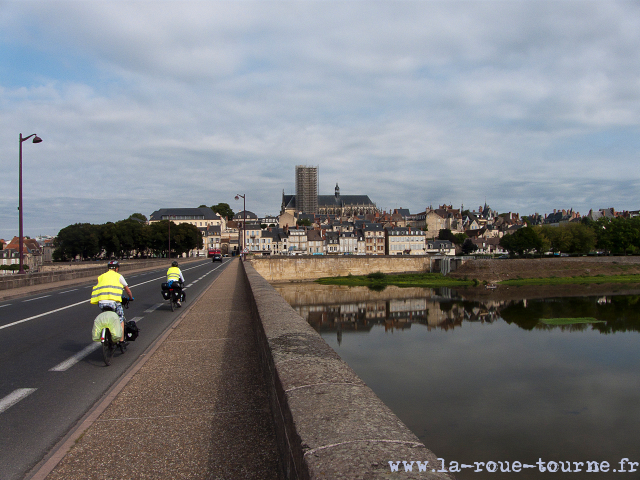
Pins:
x: 329, y: 423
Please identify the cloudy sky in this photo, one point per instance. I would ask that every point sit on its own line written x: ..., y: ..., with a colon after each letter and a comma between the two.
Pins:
x: 528, y: 105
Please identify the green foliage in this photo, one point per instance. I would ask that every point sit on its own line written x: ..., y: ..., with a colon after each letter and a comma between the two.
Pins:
x: 569, y: 321
x: 524, y: 240
x: 223, y: 209
x: 138, y: 216
x: 569, y: 238
x: 124, y: 239
x: 460, y: 238
x: 305, y: 222
x: 14, y: 267
x: 446, y: 234
x: 376, y: 276
x: 468, y: 247
x: 80, y: 239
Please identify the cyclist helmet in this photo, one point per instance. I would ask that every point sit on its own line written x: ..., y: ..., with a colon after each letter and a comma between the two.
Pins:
x: 174, y: 263
x: 113, y: 264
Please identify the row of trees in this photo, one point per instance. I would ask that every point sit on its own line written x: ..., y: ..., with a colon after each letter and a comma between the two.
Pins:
x: 618, y: 236
x: 130, y: 237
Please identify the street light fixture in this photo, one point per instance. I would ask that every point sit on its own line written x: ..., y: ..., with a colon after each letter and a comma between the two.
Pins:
x: 36, y: 139
x: 244, y: 215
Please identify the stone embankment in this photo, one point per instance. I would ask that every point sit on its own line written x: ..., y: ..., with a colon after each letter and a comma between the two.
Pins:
x: 496, y: 270
x: 311, y: 267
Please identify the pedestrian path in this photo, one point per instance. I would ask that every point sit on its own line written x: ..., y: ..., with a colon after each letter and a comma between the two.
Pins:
x: 197, y: 408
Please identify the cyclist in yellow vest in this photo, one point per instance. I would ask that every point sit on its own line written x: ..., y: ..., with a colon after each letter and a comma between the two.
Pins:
x: 175, y: 275
x: 107, y: 294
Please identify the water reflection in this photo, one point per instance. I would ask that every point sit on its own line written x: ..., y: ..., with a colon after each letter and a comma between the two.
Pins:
x: 477, y: 378
x: 340, y: 309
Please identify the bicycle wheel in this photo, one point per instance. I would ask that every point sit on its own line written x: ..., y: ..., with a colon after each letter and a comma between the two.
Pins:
x: 108, y: 347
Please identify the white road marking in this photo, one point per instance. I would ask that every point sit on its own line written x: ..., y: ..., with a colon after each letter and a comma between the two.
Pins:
x: 5, y: 305
x: 85, y: 301
x: 157, y: 305
x: 72, y: 360
x: 14, y: 397
x: 42, y: 315
x: 32, y: 299
x: 68, y: 291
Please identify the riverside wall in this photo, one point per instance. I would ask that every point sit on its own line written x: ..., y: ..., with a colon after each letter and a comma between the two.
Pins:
x: 308, y: 268
x: 329, y: 424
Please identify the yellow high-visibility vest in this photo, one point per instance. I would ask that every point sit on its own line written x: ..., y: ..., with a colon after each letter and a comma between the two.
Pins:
x: 173, y: 274
x: 108, y: 288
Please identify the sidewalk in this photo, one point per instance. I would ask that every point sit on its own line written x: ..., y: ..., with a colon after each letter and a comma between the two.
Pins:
x: 197, y: 408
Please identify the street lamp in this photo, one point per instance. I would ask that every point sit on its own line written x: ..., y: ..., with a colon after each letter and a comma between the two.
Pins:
x: 169, y: 253
x: 244, y: 214
x: 36, y: 139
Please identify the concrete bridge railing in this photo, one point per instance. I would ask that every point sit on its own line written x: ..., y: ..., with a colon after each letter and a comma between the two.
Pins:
x: 329, y: 424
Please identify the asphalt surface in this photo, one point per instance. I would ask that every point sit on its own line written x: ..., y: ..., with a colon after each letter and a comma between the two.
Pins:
x: 52, y: 374
x: 190, y: 404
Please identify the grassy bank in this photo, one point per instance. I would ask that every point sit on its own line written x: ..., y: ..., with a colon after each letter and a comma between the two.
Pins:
x: 570, y: 321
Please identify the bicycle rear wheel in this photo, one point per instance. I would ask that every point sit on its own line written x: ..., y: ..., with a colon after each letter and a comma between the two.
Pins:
x: 108, y: 347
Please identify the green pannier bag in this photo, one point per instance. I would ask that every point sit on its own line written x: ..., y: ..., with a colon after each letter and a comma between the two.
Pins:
x: 109, y: 320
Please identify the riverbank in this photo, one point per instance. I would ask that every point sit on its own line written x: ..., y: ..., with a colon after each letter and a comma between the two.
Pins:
x: 497, y: 270
x: 521, y: 278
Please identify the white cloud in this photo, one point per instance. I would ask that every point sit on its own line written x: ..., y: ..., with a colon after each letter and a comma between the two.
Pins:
x: 533, y: 105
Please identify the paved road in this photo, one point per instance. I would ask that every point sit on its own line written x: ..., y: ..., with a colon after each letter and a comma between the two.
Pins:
x: 51, y: 373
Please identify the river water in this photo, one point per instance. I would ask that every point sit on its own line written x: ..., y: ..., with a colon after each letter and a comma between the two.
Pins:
x: 482, y: 380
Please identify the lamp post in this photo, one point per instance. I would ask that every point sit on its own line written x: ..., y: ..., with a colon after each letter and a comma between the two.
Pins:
x: 36, y: 139
x: 244, y: 215
x: 169, y: 252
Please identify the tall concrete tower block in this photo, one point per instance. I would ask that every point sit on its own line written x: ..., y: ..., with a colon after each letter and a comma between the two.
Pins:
x: 306, y: 189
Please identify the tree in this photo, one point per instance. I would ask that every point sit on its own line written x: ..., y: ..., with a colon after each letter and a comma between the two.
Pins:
x: 468, y: 247
x: 138, y: 216
x: 446, y: 234
x: 80, y: 239
x: 186, y: 237
x: 582, y: 238
x: 618, y: 235
x: 305, y: 222
x: 223, y: 209
x: 158, y: 237
x: 133, y: 237
x: 460, y: 238
x: 523, y: 241
x: 109, y: 240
